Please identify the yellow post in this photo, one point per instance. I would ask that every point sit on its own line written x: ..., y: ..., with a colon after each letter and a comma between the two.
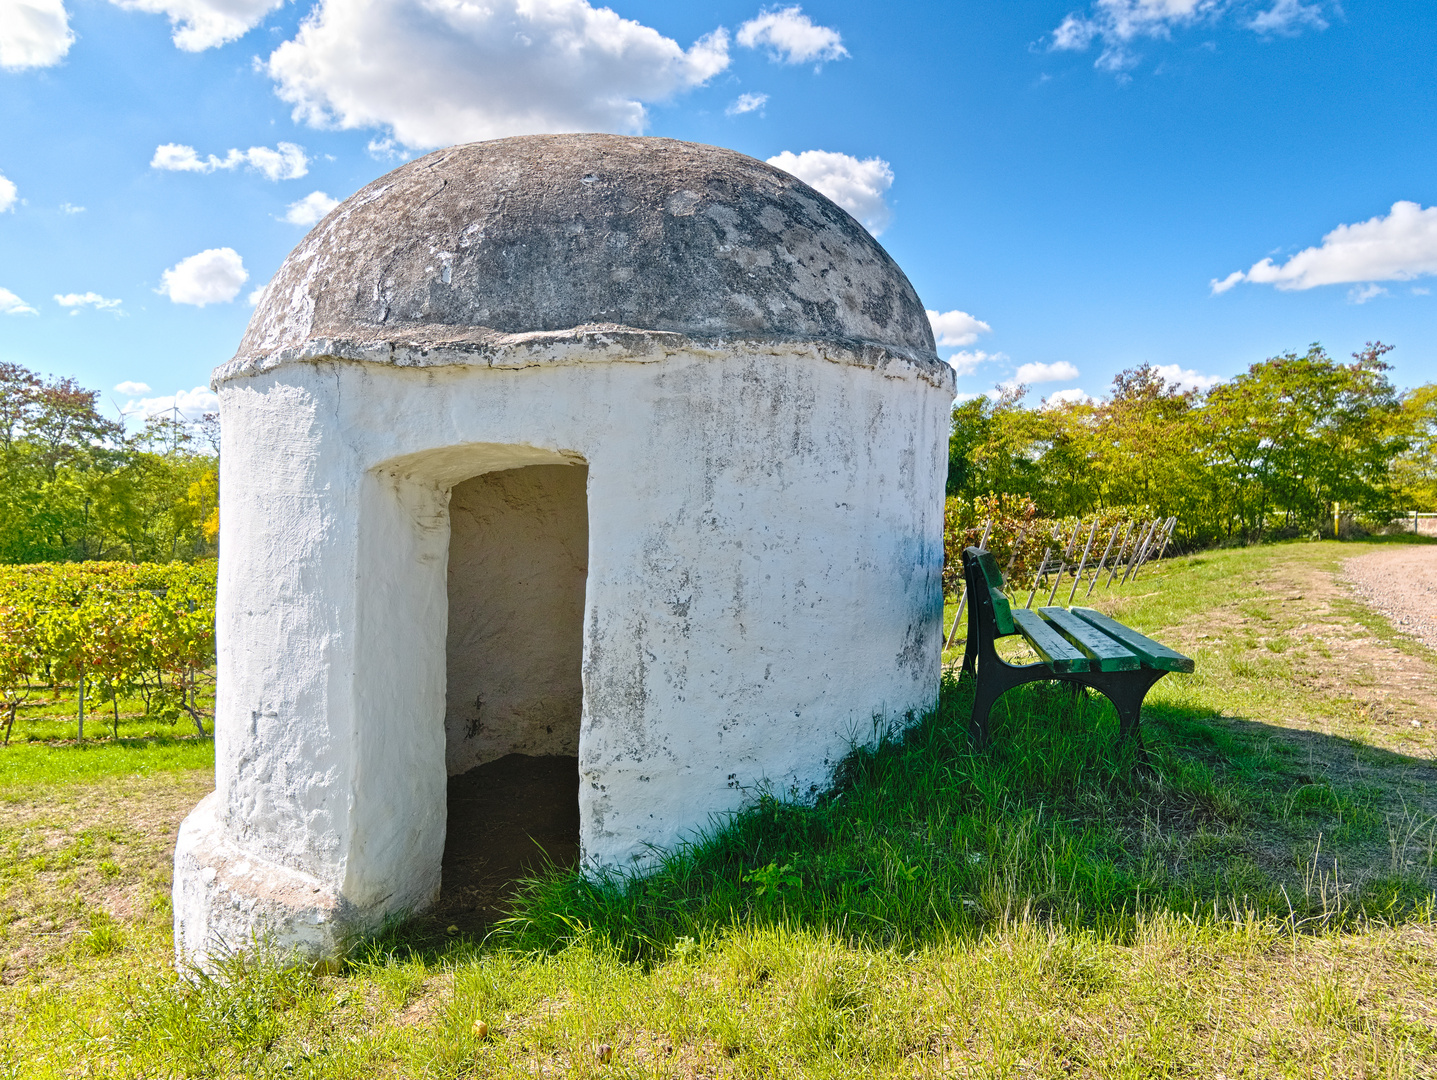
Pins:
x: 1336, y: 516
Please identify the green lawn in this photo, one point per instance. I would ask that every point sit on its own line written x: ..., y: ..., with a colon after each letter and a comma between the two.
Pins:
x: 1259, y: 903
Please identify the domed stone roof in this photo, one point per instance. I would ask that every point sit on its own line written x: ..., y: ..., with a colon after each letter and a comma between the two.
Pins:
x: 475, y: 249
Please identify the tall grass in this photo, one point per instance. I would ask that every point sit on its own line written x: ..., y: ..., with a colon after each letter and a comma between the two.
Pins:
x: 921, y: 838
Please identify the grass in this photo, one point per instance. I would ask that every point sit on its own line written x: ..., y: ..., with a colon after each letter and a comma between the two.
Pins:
x: 26, y: 766
x: 45, y: 750
x: 1259, y: 904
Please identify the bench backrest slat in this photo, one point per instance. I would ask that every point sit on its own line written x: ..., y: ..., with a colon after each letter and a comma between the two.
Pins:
x: 1154, y: 653
x: 1050, y: 645
x: 991, y: 578
x: 1104, y: 651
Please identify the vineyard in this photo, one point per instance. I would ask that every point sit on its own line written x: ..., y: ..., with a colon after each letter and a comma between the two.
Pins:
x: 111, y: 631
x: 107, y: 632
x: 1031, y: 547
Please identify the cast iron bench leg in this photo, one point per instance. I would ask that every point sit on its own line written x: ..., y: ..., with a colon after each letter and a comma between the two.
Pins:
x: 1126, y: 690
x: 994, y: 678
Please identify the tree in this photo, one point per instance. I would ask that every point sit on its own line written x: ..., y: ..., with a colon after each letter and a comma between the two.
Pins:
x: 1271, y: 451
x: 1415, y: 471
x: 1295, y: 435
x: 75, y: 486
x: 995, y: 445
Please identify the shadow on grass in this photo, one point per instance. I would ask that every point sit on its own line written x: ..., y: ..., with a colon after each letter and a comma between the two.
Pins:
x: 920, y: 838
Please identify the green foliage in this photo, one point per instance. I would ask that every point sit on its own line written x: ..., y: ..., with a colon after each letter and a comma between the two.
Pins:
x: 1295, y: 435
x: 1272, y: 452
x: 117, y: 628
x: 1416, y: 471
x: 1019, y: 537
x: 73, y: 485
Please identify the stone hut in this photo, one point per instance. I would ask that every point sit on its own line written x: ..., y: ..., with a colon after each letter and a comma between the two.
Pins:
x: 623, y: 450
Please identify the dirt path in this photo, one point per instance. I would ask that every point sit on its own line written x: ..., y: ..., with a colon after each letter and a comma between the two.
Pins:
x: 1400, y: 582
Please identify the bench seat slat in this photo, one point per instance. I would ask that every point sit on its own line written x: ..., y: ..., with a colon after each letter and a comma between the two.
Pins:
x: 1104, y: 651
x: 1052, y: 646
x: 1154, y: 653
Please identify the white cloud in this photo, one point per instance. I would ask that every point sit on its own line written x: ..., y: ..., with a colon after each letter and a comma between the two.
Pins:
x: 71, y: 208
x: 437, y: 72
x: 1398, y: 247
x: 1288, y: 17
x: 1186, y: 378
x: 132, y: 389
x: 1360, y: 294
x: 1115, y: 24
x: 76, y: 301
x: 192, y: 404
x: 176, y: 157
x: 10, y: 304
x: 9, y: 193
x: 1074, y: 396
x: 310, y: 209
x: 211, y: 277
x: 857, y: 186
x: 964, y: 362
x: 791, y: 37
x: 746, y: 103
x: 287, y: 162
x: 256, y: 294
x: 386, y: 149
x: 1028, y: 374
x: 33, y: 33
x: 956, y: 327
x: 203, y: 24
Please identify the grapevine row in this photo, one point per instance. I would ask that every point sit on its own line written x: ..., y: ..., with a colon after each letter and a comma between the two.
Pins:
x: 112, y: 629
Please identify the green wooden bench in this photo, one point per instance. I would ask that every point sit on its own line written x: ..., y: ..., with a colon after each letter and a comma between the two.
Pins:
x: 1079, y: 646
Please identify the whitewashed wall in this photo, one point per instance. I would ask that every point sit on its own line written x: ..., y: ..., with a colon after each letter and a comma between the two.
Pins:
x: 765, y: 550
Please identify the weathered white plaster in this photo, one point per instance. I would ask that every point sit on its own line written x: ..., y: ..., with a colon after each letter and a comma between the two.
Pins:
x: 764, y: 552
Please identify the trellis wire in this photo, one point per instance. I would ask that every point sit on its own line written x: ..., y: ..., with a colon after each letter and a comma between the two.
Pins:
x: 1150, y: 541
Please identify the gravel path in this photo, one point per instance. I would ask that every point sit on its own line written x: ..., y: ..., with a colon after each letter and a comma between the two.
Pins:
x: 1400, y: 582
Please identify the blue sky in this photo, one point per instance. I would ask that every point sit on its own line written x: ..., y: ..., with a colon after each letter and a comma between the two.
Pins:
x: 1074, y: 187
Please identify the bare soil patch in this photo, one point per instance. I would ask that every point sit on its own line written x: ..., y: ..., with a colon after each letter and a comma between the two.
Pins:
x: 1400, y: 582
x: 1346, y: 707
x: 508, y: 819
x: 1310, y: 630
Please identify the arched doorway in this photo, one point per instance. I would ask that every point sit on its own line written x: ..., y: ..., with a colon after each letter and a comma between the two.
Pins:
x: 518, y: 565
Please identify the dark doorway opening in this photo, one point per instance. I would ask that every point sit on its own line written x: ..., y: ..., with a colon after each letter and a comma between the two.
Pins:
x: 508, y: 819
x: 518, y: 564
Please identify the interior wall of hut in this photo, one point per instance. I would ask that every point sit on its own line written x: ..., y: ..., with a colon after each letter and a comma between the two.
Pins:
x: 518, y: 561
